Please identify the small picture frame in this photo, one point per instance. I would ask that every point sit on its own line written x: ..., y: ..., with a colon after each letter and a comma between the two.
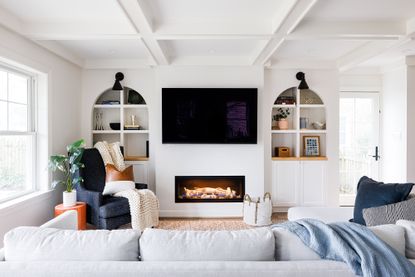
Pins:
x: 311, y: 146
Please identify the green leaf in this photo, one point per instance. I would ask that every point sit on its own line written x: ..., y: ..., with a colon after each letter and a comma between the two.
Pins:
x: 76, y: 145
x: 56, y: 183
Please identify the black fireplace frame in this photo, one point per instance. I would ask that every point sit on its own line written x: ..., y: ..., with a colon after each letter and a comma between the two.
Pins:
x: 179, y: 178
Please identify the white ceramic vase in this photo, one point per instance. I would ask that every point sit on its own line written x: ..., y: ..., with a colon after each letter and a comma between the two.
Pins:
x: 69, y: 198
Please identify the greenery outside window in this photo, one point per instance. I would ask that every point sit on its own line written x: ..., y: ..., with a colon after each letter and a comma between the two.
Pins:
x: 17, y: 133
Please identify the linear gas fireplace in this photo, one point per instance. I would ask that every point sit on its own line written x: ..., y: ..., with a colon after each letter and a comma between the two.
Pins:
x: 209, y: 188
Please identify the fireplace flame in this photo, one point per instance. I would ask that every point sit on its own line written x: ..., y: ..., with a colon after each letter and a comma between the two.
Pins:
x: 210, y: 193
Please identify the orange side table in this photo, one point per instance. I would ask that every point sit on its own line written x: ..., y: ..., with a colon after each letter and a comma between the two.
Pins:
x: 80, y: 207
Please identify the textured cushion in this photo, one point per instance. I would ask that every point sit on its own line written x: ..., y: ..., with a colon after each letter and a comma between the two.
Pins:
x: 114, y: 206
x: 117, y: 186
x: 112, y: 174
x: 409, y: 227
x: 374, y: 194
x: 48, y: 244
x: 244, y: 245
x: 289, y: 247
x: 389, y: 214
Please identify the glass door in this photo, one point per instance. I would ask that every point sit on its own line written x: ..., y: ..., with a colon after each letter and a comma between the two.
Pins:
x: 359, y: 141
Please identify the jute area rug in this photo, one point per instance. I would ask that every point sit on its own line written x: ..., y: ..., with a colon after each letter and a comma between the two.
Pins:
x: 206, y: 224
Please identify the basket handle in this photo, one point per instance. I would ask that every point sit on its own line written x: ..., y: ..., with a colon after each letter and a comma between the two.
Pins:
x: 267, y: 195
x: 247, y: 198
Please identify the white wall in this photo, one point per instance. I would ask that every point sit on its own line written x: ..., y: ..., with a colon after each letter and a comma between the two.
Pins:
x: 211, y: 159
x: 326, y: 84
x: 410, y: 124
x: 394, y: 125
x: 64, y: 117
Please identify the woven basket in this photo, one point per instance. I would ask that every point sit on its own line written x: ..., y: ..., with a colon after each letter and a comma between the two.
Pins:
x: 257, y: 213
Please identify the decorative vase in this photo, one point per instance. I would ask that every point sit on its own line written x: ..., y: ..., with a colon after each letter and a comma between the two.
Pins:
x: 69, y: 198
x: 283, y: 124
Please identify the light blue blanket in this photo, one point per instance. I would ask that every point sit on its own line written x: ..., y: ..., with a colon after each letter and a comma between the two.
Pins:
x: 352, y: 244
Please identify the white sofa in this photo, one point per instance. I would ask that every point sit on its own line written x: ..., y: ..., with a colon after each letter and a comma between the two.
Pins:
x: 163, y: 253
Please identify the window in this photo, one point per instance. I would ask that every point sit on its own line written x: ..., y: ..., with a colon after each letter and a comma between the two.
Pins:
x: 17, y: 133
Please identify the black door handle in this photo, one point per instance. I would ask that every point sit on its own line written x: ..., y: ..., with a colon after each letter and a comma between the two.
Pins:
x: 376, y: 156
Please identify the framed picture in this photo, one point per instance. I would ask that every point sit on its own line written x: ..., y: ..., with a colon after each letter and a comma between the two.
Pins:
x: 311, y: 146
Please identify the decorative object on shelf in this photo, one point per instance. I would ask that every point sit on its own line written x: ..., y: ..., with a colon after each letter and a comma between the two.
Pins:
x: 110, y: 102
x: 135, y: 98
x: 301, y: 77
x: 319, y: 125
x: 68, y: 164
x: 98, y: 121
x: 303, y: 122
x: 117, y: 85
x: 257, y: 213
x: 115, y: 126
x: 133, y: 125
x: 287, y: 97
x: 309, y: 97
x: 147, y: 149
x: 281, y: 118
x: 311, y: 146
x: 282, y: 151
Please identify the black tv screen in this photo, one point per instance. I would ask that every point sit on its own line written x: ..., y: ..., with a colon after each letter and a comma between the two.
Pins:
x: 209, y: 115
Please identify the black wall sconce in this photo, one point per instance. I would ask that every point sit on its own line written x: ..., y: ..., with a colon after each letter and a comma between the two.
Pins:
x: 301, y: 77
x: 117, y: 85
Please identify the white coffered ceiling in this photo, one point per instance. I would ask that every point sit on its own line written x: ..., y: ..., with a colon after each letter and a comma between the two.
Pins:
x: 297, y: 33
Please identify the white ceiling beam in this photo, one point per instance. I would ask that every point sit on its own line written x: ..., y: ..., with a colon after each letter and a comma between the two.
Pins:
x: 367, y: 51
x: 285, y: 27
x: 216, y: 26
x: 77, y: 36
x: 213, y: 37
x: 210, y: 61
x: 348, y: 30
x: 117, y: 63
x: 301, y: 64
x: 135, y: 10
x: 61, y: 51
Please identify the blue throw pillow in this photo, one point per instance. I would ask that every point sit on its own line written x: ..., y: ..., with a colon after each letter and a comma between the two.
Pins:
x: 374, y: 194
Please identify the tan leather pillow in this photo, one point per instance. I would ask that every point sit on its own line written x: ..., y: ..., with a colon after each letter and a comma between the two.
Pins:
x: 112, y: 174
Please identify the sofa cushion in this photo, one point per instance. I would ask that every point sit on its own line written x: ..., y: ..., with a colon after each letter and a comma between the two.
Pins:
x: 49, y: 244
x: 113, y: 207
x: 289, y: 247
x: 117, y: 186
x: 409, y: 227
x: 390, y: 214
x: 244, y: 245
x: 371, y: 193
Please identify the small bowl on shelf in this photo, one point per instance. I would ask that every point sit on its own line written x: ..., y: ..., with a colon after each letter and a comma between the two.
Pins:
x: 115, y: 126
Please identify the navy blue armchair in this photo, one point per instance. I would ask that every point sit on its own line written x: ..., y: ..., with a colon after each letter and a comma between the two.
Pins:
x: 103, y: 211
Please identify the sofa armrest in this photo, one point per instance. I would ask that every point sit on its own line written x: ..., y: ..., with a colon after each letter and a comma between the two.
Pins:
x: 141, y: 186
x: 325, y: 214
x: 67, y: 220
x: 2, y: 255
x: 93, y: 200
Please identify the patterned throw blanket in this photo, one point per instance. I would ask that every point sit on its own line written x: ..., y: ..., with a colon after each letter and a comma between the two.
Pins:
x: 353, y: 244
x: 144, y: 208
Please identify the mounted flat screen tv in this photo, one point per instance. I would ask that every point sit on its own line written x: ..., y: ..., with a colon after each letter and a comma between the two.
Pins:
x: 209, y: 115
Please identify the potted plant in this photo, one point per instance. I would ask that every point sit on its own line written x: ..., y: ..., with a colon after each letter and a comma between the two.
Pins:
x: 68, y: 165
x: 281, y: 118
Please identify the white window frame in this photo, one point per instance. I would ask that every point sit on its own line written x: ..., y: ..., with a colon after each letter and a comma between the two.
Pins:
x: 31, y: 125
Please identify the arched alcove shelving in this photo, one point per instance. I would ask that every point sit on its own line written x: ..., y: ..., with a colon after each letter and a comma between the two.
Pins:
x: 306, y: 118
x: 129, y: 110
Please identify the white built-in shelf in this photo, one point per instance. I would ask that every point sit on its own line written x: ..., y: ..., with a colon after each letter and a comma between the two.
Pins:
x: 133, y: 106
x: 135, y: 131
x: 293, y: 138
x: 313, y: 131
x: 312, y: 106
x: 106, y: 106
x: 283, y: 131
x: 133, y: 141
x: 106, y: 131
x: 284, y: 106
